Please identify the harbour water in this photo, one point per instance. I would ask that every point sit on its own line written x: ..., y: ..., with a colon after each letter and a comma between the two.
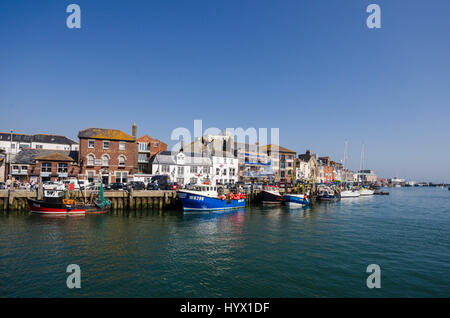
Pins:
x: 322, y: 251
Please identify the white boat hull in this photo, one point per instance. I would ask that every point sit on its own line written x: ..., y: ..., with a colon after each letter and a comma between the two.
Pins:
x: 350, y: 194
x: 366, y: 192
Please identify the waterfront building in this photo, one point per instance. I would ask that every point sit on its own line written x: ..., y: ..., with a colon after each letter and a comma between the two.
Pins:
x: 311, y: 160
x: 326, y: 170
x: 225, y: 164
x: 254, y: 163
x: 181, y: 167
x: 349, y: 176
x: 2, y: 165
x: 147, y: 148
x: 337, y: 168
x: 107, y: 155
x: 302, y: 170
x: 282, y: 162
x: 40, y: 165
x: 367, y: 176
x: 12, y: 143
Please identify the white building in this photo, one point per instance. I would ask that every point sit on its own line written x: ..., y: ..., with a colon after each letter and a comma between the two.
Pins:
x: 11, y: 143
x: 302, y: 170
x: 225, y: 169
x: 181, y: 167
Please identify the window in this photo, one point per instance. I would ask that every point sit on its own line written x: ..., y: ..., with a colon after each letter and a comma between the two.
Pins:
x: 121, y: 161
x: 121, y: 177
x: 38, y: 146
x: 165, y: 168
x: 180, y: 171
x: 206, y: 170
x: 105, y: 161
x: 46, y: 167
x: 24, y: 168
x: 193, y: 180
x: 217, y: 171
x: 62, y: 168
x: 155, y: 145
x: 122, y: 145
x: 193, y: 169
x: 289, y: 164
x: 283, y: 158
x: 90, y: 176
x: 180, y: 180
x: 15, y: 168
x: 90, y: 143
x: 90, y: 160
x: 106, y: 144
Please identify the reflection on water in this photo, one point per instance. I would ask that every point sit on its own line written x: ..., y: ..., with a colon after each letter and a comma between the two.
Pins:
x: 263, y: 251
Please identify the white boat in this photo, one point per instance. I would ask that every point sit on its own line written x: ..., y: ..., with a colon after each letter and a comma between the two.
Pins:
x: 363, y: 192
x: 350, y: 194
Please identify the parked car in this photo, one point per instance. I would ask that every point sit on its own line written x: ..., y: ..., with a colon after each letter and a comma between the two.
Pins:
x: 137, y: 185
x: 159, y: 183
x: 173, y: 186
x: 117, y: 186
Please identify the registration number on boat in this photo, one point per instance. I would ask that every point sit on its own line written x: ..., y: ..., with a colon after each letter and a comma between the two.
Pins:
x: 193, y: 197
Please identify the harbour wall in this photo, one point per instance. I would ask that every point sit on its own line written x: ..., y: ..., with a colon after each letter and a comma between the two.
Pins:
x: 16, y: 200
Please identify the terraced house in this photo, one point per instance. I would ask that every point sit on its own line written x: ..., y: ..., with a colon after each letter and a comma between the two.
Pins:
x: 282, y: 162
x: 107, y: 155
x: 40, y: 165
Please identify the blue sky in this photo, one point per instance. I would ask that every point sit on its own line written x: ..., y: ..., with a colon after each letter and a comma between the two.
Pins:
x: 311, y: 68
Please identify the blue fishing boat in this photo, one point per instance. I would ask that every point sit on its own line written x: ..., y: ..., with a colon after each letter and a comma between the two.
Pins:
x: 295, y: 200
x: 207, y: 198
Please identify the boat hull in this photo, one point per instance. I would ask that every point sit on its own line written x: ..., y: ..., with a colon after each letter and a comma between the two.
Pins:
x: 269, y: 197
x: 366, y: 192
x: 295, y: 200
x: 198, y: 202
x: 350, y: 194
x: 42, y: 207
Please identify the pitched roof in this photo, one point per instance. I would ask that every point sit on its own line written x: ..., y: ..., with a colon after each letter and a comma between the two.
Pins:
x: 102, y: 133
x: 274, y: 147
x: 29, y: 156
x: 44, y: 138
x: 191, y: 158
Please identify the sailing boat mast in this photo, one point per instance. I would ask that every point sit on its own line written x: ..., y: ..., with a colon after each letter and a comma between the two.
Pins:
x: 345, y: 154
x: 361, y: 164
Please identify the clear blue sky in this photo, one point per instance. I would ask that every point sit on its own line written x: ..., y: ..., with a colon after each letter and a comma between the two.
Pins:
x: 311, y: 68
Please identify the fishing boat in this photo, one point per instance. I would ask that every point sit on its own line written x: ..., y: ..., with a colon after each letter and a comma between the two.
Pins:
x: 293, y: 200
x: 350, y: 194
x: 326, y: 194
x: 53, y: 203
x: 271, y: 195
x: 364, y: 192
x: 210, y: 198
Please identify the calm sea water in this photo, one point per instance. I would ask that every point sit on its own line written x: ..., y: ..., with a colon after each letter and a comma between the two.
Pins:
x: 321, y: 251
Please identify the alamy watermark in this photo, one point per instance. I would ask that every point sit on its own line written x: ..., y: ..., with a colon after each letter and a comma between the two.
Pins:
x: 73, y: 21
x: 74, y: 279
x: 374, y: 279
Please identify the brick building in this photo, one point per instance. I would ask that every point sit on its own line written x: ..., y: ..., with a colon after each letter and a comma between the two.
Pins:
x: 147, y: 148
x: 327, y: 173
x: 107, y: 155
x: 282, y: 162
x: 40, y: 165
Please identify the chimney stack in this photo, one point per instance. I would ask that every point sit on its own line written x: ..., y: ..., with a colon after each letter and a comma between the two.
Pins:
x: 134, y: 130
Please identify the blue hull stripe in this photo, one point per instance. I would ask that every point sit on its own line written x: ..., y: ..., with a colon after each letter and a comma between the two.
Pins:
x: 197, y: 202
